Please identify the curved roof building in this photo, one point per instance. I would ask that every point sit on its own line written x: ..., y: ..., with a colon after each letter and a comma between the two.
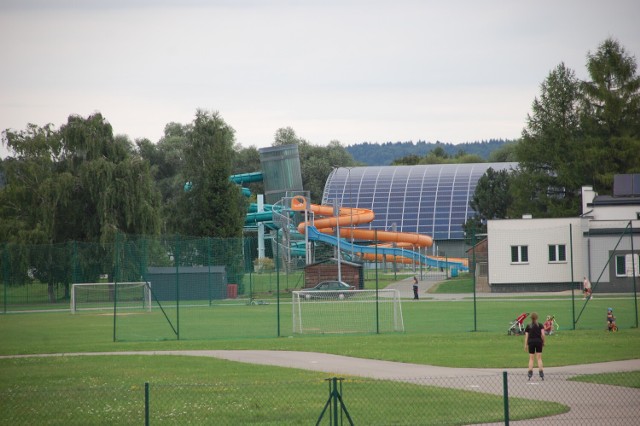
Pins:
x: 428, y: 199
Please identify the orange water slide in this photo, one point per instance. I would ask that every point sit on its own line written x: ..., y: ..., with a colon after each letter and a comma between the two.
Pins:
x: 348, y: 217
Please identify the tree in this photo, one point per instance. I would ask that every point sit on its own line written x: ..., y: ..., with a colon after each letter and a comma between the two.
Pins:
x: 113, y: 188
x: 611, y: 114
x: 490, y: 200
x: 167, y: 162
x: 409, y: 160
x: 29, y: 201
x: 505, y: 154
x: 77, y: 183
x: 214, y: 206
x: 550, y: 152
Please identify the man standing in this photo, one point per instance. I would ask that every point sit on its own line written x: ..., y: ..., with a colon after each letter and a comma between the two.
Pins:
x: 415, y: 288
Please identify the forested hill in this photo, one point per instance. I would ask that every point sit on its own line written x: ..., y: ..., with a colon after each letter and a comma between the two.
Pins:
x: 382, y: 154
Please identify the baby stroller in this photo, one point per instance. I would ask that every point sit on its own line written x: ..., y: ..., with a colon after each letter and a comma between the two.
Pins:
x: 516, y: 327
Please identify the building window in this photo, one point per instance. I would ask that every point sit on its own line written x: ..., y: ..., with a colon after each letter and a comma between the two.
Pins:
x: 557, y: 253
x: 624, y: 266
x: 519, y: 254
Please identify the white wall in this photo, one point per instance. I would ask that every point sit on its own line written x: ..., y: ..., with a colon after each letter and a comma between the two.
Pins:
x: 537, y: 235
x: 615, y: 212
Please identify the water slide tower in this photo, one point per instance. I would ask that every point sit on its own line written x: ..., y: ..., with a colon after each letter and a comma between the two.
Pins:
x: 281, y: 171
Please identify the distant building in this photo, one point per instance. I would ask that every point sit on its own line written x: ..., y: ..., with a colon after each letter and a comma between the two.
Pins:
x: 602, y: 244
x: 431, y: 199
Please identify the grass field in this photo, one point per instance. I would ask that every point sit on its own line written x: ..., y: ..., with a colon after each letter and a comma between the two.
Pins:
x: 437, y: 333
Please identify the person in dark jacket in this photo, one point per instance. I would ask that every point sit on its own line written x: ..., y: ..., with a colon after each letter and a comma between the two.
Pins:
x: 534, y: 342
x: 415, y: 288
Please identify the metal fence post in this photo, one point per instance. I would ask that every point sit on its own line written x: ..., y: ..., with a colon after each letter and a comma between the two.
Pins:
x: 146, y: 403
x: 633, y: 272
x: 335, y: 403
x: 505, y: 392
x: 334, y: 394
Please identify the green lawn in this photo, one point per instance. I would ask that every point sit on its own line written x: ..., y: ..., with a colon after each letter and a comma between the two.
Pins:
x: 183, y: 389
x: 436, y: 332
x: 457, y: 285
x: 627, y: 379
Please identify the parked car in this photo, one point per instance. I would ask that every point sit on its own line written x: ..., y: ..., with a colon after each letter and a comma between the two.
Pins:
x: 330, y: 289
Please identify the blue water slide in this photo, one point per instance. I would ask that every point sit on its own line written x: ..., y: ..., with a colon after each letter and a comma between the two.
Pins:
x: 315, y: 235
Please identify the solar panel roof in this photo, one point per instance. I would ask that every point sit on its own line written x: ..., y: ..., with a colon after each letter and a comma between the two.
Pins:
x: 429, y: 199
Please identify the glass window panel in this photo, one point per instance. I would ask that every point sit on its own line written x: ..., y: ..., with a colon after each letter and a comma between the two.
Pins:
x: 562, y: 253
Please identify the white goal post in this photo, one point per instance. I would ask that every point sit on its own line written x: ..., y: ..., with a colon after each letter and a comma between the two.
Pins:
x: 346, y: 311
x: 100, y: 296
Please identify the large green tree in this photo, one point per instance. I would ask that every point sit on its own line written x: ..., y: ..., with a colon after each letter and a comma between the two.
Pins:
x: 611, y: 114
x: 491, y: 200
x: 77, y: 183
x: 114, y: 189
x: 167, y: 163
x: 551, y: 151
x: 213, y: 206
x: 579, y: 133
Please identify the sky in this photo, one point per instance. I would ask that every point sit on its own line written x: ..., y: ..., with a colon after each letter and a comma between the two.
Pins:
x: 352, y: 71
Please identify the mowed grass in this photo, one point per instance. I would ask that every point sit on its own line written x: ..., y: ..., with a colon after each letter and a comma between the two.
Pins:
x: 627, y: 379
x: 108, y: 389
x: 436, y: 333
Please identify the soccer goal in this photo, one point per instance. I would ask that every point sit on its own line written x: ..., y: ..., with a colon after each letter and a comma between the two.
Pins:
x: 353, y: 311
x: 97, y: 296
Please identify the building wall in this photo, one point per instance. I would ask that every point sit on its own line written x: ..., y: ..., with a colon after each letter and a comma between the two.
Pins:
x: 538, y: 272
x: 603, y: 246
x: 615, y: 212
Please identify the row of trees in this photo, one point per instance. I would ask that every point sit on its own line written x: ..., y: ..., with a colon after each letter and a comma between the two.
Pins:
x: 388, y: 153
x: 82, y: 183
x: 578, y: 133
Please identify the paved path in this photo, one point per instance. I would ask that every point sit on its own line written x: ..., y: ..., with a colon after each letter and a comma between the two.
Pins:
x: 591, y: 404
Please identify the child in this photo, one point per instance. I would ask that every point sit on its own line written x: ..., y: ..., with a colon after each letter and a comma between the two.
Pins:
x: 586, y: 284
x: 611, y: 320
x: 548, y: 325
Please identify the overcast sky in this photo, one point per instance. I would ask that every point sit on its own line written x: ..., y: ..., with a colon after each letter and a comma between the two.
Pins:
x: 351, y: 71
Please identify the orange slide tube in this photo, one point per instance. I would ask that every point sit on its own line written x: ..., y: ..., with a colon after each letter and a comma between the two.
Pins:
x: 348, y: 217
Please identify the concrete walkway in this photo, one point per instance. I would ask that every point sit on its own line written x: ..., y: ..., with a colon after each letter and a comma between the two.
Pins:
x: 591, y: 404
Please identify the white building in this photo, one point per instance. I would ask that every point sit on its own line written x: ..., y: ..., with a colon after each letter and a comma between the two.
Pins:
x: 531, y: 254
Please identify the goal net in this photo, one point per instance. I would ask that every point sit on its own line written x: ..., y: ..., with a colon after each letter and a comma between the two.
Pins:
x: 352, y: 311
x: 124, y: 295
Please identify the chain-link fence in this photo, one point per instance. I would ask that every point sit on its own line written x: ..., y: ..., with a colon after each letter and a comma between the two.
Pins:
x: 499, y: 398
x: 207, y: 288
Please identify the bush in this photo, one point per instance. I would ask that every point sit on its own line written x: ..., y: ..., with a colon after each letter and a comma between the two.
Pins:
x: 264, y: 264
